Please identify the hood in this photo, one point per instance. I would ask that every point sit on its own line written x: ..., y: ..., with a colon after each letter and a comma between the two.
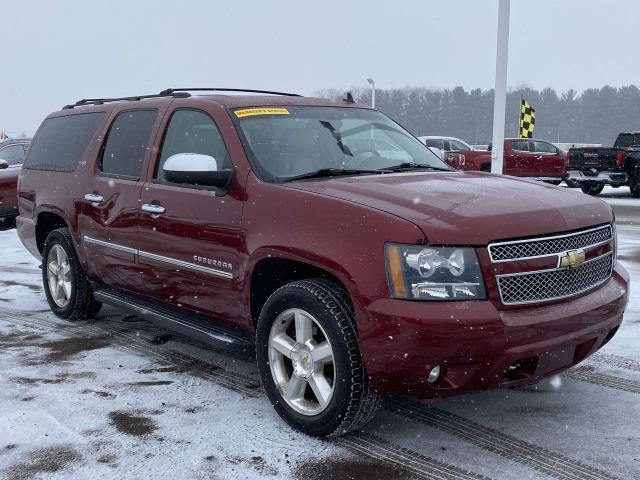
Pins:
x: 457, y: 208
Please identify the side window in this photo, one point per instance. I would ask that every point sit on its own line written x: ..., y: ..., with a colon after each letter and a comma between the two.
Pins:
x: 544, y: 147
x: 456, y: 146
x: 126, y: 145
x: 13, y: 154
x: 192, y: 131
x: 61, y: 141
x: 435, y: 143
x: 520, y: 145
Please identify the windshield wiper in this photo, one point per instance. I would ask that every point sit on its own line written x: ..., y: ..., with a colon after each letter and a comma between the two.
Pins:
x: 412, y: 165
x: 332, y: 172
x: 338, y: 138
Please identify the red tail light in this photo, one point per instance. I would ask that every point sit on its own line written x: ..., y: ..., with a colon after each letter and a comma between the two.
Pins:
x: 620, y: 158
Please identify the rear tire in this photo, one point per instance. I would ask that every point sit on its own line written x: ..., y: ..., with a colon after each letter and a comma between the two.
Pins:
x: 290, y: 366
x: 635, y: 189
x: 572, y: 184
x: 592, y: 188
x: 66, y: 285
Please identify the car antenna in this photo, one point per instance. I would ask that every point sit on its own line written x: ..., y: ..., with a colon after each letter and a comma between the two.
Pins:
x: 348, y: 98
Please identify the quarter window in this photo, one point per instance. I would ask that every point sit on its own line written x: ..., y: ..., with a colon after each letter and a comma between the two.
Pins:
x: 192, y: 131
x: 126, y: 145
x: 61, y: 141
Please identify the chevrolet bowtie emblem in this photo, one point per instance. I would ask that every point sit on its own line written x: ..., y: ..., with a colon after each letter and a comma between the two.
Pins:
x: 572, y: 259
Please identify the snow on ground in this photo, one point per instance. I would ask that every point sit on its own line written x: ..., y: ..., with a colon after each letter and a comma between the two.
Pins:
x: 117, y: 398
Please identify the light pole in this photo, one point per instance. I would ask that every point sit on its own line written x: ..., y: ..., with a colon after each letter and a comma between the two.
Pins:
x: 500, y: 99
x: 373, y: 92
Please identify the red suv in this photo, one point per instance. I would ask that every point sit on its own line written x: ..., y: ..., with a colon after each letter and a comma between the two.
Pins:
x: 357, y: 263
x: 12, y: 153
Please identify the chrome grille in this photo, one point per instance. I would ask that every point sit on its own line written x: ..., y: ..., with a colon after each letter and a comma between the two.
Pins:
x: 553, y: 245
x: 544, y: 285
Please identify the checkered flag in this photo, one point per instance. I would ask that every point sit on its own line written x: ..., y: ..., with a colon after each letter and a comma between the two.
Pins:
x: 527, y: 119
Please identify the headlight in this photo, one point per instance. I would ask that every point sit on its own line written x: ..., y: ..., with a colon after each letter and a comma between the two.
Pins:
x: 418, y: 272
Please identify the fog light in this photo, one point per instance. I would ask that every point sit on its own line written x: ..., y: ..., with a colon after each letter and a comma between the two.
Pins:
x: 434, y: 374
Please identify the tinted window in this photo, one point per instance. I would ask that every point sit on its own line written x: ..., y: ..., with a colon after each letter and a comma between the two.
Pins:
x: 193, y: 131
x: 544, y: 147
x: 520, y: 145
x: 14, y: 154
x: 127, y: 143
x: 434, y: 143
x: 627, y: 140
x: 61, y: 141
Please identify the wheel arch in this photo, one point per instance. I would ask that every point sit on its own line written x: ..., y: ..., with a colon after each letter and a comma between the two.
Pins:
x: 271, y: 270
x: 46, y: 222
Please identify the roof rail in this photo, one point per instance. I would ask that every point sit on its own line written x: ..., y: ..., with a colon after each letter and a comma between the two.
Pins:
x: 170, y: 91
x: 100, y: 101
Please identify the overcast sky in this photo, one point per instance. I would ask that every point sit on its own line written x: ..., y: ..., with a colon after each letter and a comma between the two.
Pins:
x: 57, y: 52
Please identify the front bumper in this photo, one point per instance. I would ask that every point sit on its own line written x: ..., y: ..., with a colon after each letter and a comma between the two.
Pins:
x: 476, y: 343
x: 608, y: 178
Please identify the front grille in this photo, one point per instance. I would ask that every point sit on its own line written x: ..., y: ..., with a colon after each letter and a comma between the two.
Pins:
x: 540, y: 247
x: 544, y: 285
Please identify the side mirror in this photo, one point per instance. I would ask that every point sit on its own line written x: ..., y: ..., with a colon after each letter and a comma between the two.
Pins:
x: 3, y: 164
x: 196, y: 169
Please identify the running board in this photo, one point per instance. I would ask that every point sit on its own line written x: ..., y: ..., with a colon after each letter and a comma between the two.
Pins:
x: 179, y: 320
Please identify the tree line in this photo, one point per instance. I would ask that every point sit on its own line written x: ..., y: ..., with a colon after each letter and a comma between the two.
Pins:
x: 593, y: 116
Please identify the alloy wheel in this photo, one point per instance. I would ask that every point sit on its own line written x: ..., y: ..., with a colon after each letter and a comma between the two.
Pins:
x: 59, y: 276
x: 301, y: 362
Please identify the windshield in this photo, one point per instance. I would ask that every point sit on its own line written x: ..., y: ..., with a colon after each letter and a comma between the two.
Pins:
x: 286, y: 143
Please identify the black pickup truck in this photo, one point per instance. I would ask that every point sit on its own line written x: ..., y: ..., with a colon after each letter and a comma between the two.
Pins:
x: 618, y: 166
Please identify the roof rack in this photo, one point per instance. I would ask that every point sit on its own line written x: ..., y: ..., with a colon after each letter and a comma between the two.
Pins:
x: 170, y: 91
x: 100, y: 101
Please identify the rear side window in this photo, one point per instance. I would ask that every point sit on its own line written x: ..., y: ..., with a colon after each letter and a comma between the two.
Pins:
x: 520, y: 145
x: 434, y: 143
x: 61, y: 141
x: 126, y: 145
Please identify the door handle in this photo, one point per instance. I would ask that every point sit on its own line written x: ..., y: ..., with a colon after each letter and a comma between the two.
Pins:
x: 151, y: 208
x: 93, y: 198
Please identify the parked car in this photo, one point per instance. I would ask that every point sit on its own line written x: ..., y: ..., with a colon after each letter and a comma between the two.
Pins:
x: 12, y: 153
x: 595, y: 167
x: 522, y: 158
x: 284, y: 222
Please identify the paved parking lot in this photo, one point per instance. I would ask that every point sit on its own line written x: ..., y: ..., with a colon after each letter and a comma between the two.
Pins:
x: 117, y: 398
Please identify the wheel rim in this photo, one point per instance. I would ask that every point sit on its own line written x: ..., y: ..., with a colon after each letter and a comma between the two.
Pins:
x: 301, y: 361
x: 59, y: 276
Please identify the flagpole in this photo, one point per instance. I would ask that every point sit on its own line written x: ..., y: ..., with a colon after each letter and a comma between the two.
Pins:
x: 520, y: 116
x: 500, y: 97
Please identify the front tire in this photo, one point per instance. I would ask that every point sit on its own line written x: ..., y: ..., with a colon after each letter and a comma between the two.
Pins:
x: 309, y: 359
x: 591, y: 188
x: 65, y: 284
